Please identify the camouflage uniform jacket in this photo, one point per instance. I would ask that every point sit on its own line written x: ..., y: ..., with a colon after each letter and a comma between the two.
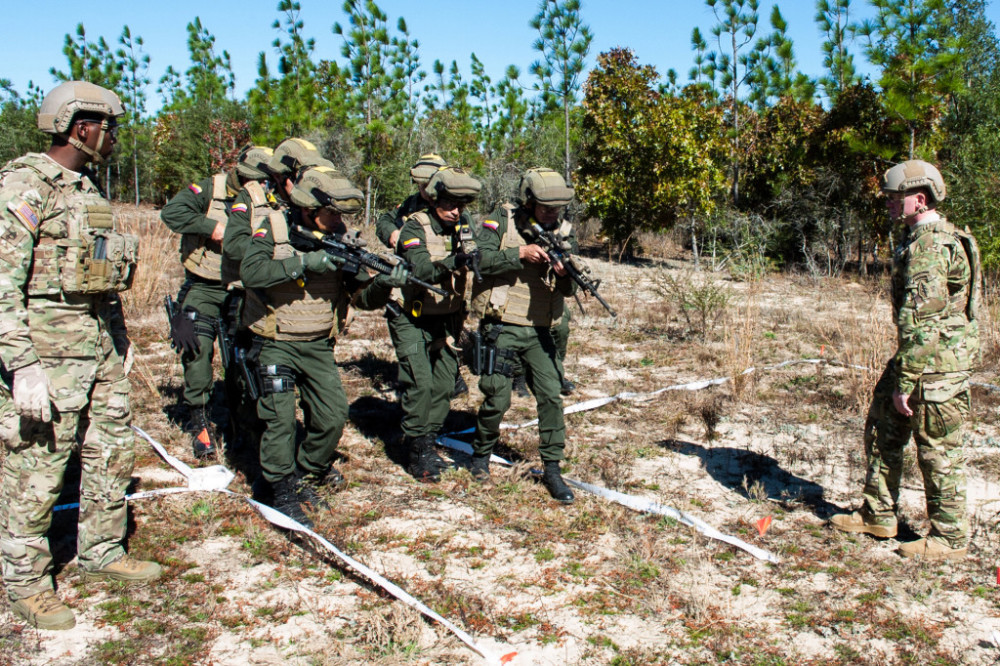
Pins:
x: 931, y: 289
x: 35, y: 209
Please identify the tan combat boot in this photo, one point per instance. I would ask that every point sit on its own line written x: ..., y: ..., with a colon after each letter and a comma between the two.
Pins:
x: 126, y: 569
x: 931, y: 549
x: 858, y: 522
x: 44, y: 611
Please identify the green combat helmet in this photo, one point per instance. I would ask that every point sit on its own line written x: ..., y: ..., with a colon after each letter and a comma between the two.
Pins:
x: 454, y: 184
x: 325, y: 187
x: 60, y: 106
x: 292, y: 155
x: 914, y: 174
x: 252, y: 162
x: 544, y: 186
x: 425, y: 167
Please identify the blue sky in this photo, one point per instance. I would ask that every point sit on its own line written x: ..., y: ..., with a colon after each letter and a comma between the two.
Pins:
x: 659, y: 31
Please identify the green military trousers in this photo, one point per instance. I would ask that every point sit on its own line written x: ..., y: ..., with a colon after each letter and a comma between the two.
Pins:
x: 324, y: 408
x: 207, y: 300
x: 936, y: 427
x: 37, y: 456
x: 560, y: 335
x: 427, y: 367
x: 535, y: 348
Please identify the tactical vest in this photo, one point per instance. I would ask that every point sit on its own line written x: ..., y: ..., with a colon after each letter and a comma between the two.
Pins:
x: 288, y: 311
x: 527, y: 297
x: 78, y: 251
x: 439, y: 247
x: 261, y: 209
x: 197, y: 253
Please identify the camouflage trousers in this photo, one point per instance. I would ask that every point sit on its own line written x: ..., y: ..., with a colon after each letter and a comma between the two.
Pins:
x: 36, y: 461
x: 940, y: 406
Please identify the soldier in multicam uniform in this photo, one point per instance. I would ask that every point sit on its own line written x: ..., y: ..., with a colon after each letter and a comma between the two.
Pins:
x: 297, y: 305
x: 924, y: 390
x: 63, y: 338
x: 425, y: 332
x: 199, y: 213
x: 520, y: 299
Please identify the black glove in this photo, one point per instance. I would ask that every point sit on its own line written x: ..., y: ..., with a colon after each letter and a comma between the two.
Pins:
x: 182, y: 335
x: 462, y: 260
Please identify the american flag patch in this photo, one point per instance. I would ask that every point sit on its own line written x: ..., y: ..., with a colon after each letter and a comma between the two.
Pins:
x: 238, y: 208
x: 194, y: 188
x: 413, y: 242
x: 491, y: 224
x: 23, y: 212
x: 260, y: 233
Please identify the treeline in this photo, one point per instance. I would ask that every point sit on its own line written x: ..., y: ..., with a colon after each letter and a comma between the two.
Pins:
x: 750, y: 162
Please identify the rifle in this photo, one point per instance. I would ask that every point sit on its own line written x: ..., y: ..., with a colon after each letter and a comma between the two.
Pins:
x: 468, y: 242
x: 559, y: 253
x: 352, y: 253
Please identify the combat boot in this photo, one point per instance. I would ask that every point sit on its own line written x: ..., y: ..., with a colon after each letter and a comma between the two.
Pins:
x: 860, y: 522
x: 479, y: 467
x: 333, y: 480
x: 203, y: 441
x: 425, y: 463
x: 126, y: 569
x: 932, y: 549
x: 567, y: 387
x: 44, y: 611
x: 520, y: 386
x: 307, y: 488
x: 553, y: 481
x: 460, y: 386
x: 286, y: 500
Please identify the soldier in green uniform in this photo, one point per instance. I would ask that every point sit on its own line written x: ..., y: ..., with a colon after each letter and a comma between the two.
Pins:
x: 924, y: 391
x: 66, y: 354
x: 520, y: 299
x: 297, y: 304
x: 425, y: 333
x: 199, y: 213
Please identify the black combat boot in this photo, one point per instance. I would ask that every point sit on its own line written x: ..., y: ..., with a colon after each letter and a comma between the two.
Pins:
x: 203, y: 441
x: 480, y: 467
x: 286, y: 500
x: 262, y: 491
x: 425, y: 463
x: 307, y: 487
x: 520, y: 386
x: 567, y: 387
x: 460, y: 386
x: 553, y: 481
x: 333, y: 480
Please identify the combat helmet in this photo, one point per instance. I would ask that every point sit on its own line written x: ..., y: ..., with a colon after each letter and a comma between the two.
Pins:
x: 252, y: 162
x: 425, y: 167
x: 914, y: 174
x: 545, y: 186
x: 292, y: 155
x: 66, y: 100
x: 324, y: 187
x: 454, y: 184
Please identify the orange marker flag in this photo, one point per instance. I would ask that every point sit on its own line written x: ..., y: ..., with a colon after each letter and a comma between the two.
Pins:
x: 822, y: 349
x: 763, y: 525
x: 507, y: 658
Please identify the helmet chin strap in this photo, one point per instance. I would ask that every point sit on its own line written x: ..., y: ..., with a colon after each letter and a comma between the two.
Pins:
x: 95, y: 156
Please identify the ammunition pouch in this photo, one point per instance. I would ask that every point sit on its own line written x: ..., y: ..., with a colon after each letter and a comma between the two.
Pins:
x: 487, y: 358
x: 276, y: 379
x: 98, y: 262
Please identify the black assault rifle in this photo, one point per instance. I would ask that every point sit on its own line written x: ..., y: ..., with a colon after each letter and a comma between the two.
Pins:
x: 351, y: 251
x: 559, y: 253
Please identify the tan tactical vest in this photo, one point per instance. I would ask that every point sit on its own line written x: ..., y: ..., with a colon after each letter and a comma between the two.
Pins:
x: 527, y: 297
x: 439, y: 247
x: 199, y: 254
x: 261, y: 209
x: 78, y: 251
x: 289, y: 311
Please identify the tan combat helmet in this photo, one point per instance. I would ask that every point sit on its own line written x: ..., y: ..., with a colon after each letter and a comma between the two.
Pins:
x: 323, y: 187
x: 293, y: 155
x: 425, y: 167
x: 453, y: 183
x: 545, y: 186
x: 252, y: 162
x: 67, y: 99
x: 914, y: 174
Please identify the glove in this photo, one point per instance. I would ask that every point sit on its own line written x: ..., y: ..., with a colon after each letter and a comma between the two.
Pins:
x: 319, y: 261
x: 31, y: 393
x: 182, y: 336
x: 398, y: 277
x: 462, y: 260
x: 129, y: 360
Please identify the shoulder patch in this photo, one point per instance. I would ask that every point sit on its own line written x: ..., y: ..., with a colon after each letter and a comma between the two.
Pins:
x: 491, y: 224
x: 413, y: 242
x: 24, y: 212
x: 239, y: 208
x: 260, y: 233
x: 194, y: 188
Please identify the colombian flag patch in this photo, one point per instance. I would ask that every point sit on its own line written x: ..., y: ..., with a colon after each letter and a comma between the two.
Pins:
x: 413, y: 242
x: 194, y: 188
x: 23, y: 212
x: 260, y: 233
x: 491, y: 224
x: 238, y: 208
